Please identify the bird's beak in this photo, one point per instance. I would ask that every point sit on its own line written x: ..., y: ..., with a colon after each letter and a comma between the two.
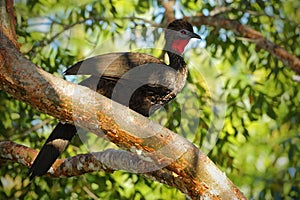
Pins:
x: 194, y: 35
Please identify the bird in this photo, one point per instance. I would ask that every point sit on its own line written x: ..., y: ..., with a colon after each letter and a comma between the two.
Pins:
x: 137, y: 80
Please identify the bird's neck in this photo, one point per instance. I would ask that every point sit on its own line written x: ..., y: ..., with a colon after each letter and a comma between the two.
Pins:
x: 176, y: 61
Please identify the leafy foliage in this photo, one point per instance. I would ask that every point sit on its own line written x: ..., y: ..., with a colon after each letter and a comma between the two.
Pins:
x: 258, y: 145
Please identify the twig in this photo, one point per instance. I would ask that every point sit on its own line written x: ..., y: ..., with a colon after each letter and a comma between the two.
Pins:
x: 32, y: 129
x: 252, y: 35
x: 169, y: 13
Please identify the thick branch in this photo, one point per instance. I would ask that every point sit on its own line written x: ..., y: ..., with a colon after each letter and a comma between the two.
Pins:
x: 195, y: 174
x: 254, y: 36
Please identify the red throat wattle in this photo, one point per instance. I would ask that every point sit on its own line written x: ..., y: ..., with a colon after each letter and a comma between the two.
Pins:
x: 179, y: 45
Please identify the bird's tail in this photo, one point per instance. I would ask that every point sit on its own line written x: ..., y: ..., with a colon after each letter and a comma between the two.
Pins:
x: 53, y: 147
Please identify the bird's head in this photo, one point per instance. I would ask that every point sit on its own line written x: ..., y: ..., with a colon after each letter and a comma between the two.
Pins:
x: 178, y: 34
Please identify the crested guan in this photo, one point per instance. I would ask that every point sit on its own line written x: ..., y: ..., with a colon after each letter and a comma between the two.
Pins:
x: 139, y: 81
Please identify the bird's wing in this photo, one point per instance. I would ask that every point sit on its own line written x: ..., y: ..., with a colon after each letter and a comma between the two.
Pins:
x: 113, y: 65
x: 128, y: 70
x: 152, y: 74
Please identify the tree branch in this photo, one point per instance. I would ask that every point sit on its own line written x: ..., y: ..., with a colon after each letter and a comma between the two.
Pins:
x: 254, y: 36
x: 186, y: 166
x: 108, y: 160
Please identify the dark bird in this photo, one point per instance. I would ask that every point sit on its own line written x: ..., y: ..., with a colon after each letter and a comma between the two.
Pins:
x: 139, y: 81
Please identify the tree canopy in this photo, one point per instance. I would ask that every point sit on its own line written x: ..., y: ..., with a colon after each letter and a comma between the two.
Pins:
x: 240, y: 105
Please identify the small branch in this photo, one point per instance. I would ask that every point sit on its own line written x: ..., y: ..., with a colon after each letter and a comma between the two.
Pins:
x: 108, y: 160
x: 13, y: 152
x: 65, y: 28
x: 31, y: 129
x: 220, y: 10
x: 169, y: 7
x: 245, y: 31
x: 224, y: 10
x: 152, y: 23
x: 90, y: 193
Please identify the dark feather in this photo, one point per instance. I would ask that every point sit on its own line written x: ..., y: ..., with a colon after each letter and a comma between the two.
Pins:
x: 111, y: 64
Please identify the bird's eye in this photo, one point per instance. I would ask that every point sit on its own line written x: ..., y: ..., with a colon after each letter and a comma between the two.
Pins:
x: 183, y: 32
